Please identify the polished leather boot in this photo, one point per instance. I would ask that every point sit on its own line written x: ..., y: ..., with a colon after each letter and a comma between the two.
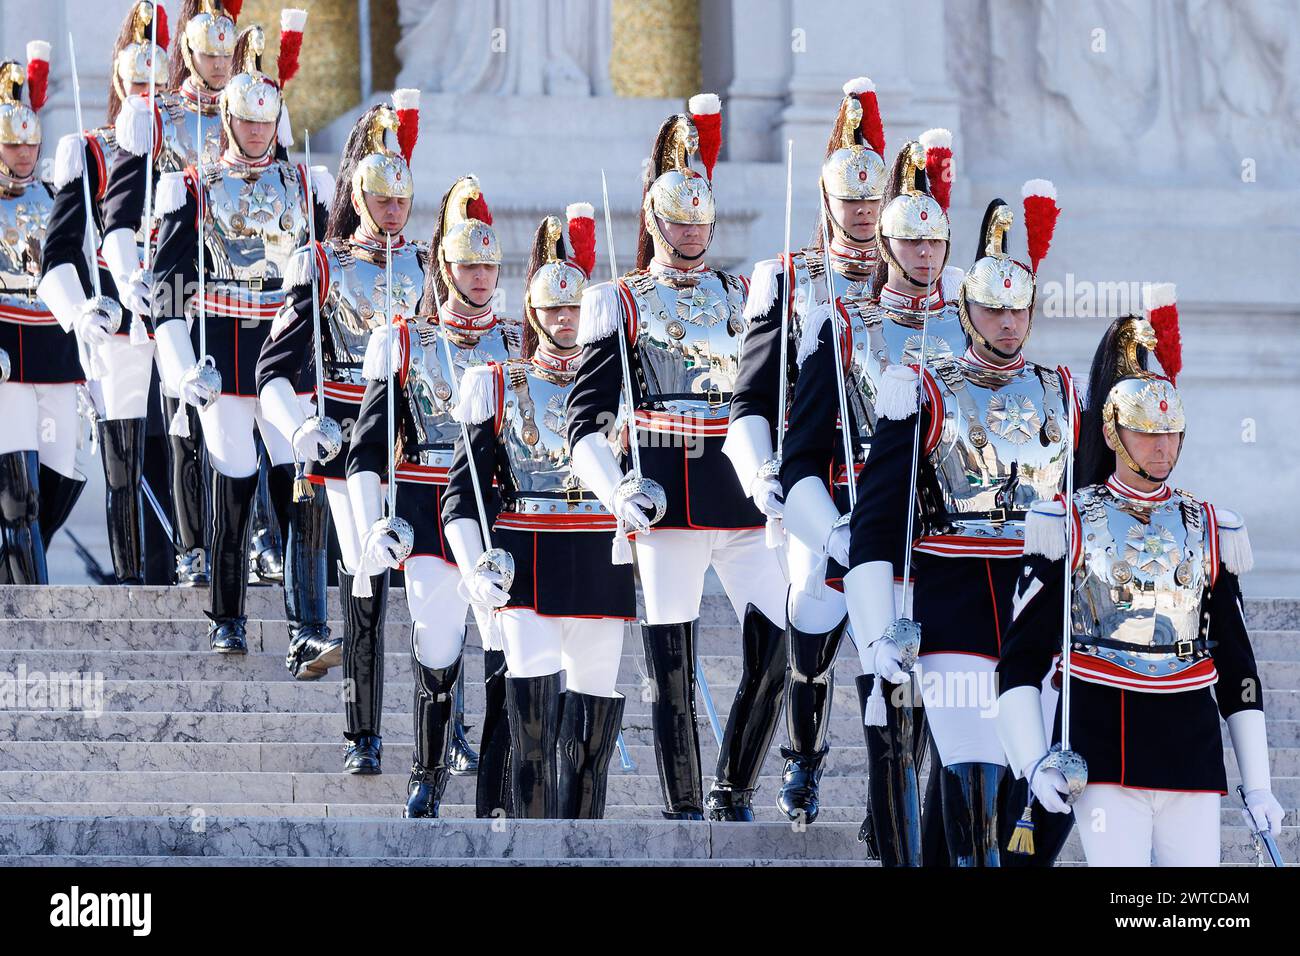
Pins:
x: 492, y: 788
x: 232, y: 503
x: 159, y: 549
x: 670, y: 661
x: 589, y: 729
x: 20, y: 510
x: 462, y: 760
x: 970, y: 812
x: 1051, y: 830
x: 363, y: 671
x: 189, y: 499
x: 265, y: 543
x: 533, y: 705
x: 59, y: 495
x: 121, y: 442
x: 892, y: 789
x: 435, y: 688
x: 934, y: 843
x: 312, y: 649
x: 807, y: 719
x: 752, y: 721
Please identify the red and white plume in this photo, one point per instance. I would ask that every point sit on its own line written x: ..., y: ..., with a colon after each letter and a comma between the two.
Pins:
x: 1041, y: 213
x: 582, y: 236
x: 873, y: 130
x: 38, y: 73
x: 164, y: 33
x: 940, y: 170
x: 232, y: 8
x: 1160, y: 305
x: 478, y: 209
x: 292, y: 23
x: 706, y: 114
x: 407, y: 104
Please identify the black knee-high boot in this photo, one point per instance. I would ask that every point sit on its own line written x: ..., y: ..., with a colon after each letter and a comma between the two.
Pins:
x: 20, y: 511
x: 59, y: 495
x: 189, y: 499
x: 810, y: 689
x: 434, y: 693
x: 970, y: 812
x: 1051, y: 830
x: 266, y: 541
x: 312, y: 649
x: 462, y: 759
x: 492, y: 788
x: 589, y: 729
x: 533, y: 705
x: 752, y: 721
x: 934, y: 842
x: 363, y: 672
x: 121, y: 442
x: 670, y: 660
x: 892, y: 790
x: 232, y: 503
x: 159, y: 549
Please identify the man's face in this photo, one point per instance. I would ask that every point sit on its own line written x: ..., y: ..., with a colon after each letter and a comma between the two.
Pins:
x: 475, y: 281
x: 857, y: 217
x: 213, y: 70
x: 560, y: 324
x: 688, y: 238
x: 20, y: 159
x: 1155, y: 454
x: 390, y: 213
x: 1004, y: 328
x: 922, y: 259
x: 254, y: 138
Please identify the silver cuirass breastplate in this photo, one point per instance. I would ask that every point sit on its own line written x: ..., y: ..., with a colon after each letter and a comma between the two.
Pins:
x: 357, y: 300
x: 688, y: 341
x: 256, y: 219
x: 1143, y: 572
x: 178, y: 147
x: 23, y: 221
x: 1001, y: 448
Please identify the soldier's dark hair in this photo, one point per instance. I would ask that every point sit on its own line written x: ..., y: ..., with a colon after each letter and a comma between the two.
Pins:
x: 645, y: 247
x: 536, y: 259
x: 343, y: 218
x: 433, y: 274
x: 1094, y: 461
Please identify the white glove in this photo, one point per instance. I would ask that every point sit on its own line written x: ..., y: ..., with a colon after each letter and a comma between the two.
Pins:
x: 483, y: 588
x: 635, y: 512
x: 379, y: 550
x: 309, y: 444
x: 837, y: 546
x: 94, y: 327
x: 1265, y: 810
x: 136, y: 294
x: 768, y: 497
x: 1049, y: 788
x: 195, y: 392
x: 889, y: 662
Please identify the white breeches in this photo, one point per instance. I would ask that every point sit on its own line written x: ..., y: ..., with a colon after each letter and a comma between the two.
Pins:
x: 437, y: 610
x: 814, y: 608
x: 123, y: 389
x: 345, y: 525
x: 43, y: 419
x: 672, y: 564
x: 1120, y: 826
x: 960, y: 695
x: 587, y: 650
x: 228, y: 425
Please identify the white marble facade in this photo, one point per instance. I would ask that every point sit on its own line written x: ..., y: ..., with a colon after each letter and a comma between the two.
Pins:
x: 1171, y: 129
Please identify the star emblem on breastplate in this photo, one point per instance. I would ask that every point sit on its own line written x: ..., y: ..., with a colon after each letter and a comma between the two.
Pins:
x: 468, y: 358
x: 1150, y: 549
x: 935, y: 348
x: 700, y: 306
x: 259, y: 203
x: 1013, y: 417
x: 554, y: 415
x: 403, y: 293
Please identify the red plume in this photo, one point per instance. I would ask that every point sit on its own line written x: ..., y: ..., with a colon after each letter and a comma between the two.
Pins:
x: 1041, y: 213
x: 164, y: 33
x: 478, y: 209
x: 38, y: 73
x: 706, y: 114
x: 1161, y: 307
x: 873, y: 130
x: 582, y: 236
x: 292, y: 23
x: 407, y: 104
x: 939, y: 168
x: 232, y: 8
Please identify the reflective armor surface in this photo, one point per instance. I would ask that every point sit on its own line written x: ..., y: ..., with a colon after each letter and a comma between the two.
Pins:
x: 256, y: 218
x: 999, y: 447
x: 1140, y: 580
x: 178, y: 128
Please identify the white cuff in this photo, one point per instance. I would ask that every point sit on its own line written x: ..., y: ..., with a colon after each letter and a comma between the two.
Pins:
x: 869, y: 594
x: 466, y: 543
x: 594, y: 463
x: 120, y: 251
x: 175, y: 352
x: 366, y: 495
x: 63, y: 294
x: 1020, y: 727
x: 281, y: 407
x: 1250, y: 744
x: 810, y: 513
x: 749, y: 446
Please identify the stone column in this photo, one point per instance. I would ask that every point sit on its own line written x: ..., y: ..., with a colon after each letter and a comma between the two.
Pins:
x: 761, y: 63
x: 656, y: 48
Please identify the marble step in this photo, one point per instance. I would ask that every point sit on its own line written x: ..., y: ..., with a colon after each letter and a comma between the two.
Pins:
x: 422, y: 862
x: 218, y: 757
x: 845, y: 729
x: 264, y: 837
x: 137, y: 786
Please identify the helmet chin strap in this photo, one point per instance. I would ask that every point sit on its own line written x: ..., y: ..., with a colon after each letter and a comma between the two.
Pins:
x: 659, y: 233
x: 895, y: 261
x: 1111, y: 429
x: 542, y: 333
x: 838, y: 230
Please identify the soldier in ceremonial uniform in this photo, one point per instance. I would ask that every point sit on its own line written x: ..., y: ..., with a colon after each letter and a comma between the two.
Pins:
x: 681, y: 326
x: 1156, y: 620
x: 39, y: 364
x: 371, y: 201
x: 462, y: 278
x: 564, y: 606
x: 121, y: 362
x: 252, y: 210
